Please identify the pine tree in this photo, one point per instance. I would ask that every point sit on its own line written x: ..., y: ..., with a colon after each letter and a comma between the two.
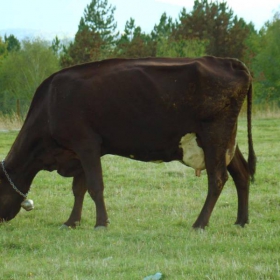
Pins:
x: 216, y: 24
x: 99, y: 17
x: 134, y: 43
x: 96, y: 36
x: 12, y: 42
x: 164, y: 28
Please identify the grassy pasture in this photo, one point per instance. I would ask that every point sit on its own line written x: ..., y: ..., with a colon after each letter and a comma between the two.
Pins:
x: 151, y: 209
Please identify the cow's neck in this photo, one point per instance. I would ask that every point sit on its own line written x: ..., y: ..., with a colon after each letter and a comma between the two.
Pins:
x: 21, y: 175
x: 23, y: 161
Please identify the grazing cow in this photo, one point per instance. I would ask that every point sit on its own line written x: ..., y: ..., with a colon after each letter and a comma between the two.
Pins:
x: 152, y: 109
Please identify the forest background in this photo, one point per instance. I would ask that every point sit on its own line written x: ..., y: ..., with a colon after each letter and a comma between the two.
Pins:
x: 210, y: 28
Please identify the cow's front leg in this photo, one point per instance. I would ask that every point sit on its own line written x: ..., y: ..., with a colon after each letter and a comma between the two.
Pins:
x: 79, y: 190
x: 89, y: 153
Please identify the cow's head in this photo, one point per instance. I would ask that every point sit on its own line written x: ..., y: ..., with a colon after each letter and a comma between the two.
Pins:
x: 11, y: 198
x: 10, y: 201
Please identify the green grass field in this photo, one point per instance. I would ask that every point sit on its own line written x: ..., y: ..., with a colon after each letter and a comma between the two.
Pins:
x: 151, y: 208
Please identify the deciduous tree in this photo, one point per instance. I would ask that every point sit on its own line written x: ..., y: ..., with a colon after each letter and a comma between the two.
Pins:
x: 3, y: 50
x: 21, y: 73
x: 267, y: 63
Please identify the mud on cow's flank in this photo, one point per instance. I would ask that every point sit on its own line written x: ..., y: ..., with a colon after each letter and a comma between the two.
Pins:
x: 126, y: 107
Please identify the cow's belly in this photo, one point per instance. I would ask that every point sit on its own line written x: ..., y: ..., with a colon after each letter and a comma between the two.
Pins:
x: 193, y: 155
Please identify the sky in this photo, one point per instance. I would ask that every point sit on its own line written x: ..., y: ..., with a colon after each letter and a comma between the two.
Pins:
x: 62, y: 17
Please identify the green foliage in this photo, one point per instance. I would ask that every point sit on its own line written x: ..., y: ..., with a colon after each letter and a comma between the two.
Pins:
x: 210, y: 28
x: 169, y: 45
x: 267, y: 63
x: 164, y: 28
x: 252, y: 47
x: 3, y: 50
x: 151, y: 209
x: 215, y: 24
x: 96, y: 35
x: 21, y: 73
x: 180, y: 48
x: 99, y: 17
x: 13, y: 44
x: 86, y: 47
x: 56, y: 46
x: 134, y: 43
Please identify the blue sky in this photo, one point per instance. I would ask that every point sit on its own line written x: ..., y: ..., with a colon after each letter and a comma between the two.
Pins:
x: 63, y: 16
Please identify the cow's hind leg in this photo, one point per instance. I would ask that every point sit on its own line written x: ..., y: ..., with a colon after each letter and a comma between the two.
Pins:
x: 79, y: 190
x: 238, y: 169
x: 217, y: 177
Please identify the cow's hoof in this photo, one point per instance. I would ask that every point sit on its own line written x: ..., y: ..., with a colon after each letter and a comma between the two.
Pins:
x: 240, y: 225
x: 100, y: 228
x: 63, y: 227
x: 199, y: 230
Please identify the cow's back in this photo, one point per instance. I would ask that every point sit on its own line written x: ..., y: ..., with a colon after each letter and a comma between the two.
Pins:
x: 144, y: 105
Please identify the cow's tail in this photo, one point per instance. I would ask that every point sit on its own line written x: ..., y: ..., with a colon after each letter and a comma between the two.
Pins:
x: 251, y: 157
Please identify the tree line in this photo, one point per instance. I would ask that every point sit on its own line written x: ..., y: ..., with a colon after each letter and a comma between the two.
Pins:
x: 210, y: 28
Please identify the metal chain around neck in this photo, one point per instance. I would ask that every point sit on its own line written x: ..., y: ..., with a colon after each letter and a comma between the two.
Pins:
x: 11, y: 182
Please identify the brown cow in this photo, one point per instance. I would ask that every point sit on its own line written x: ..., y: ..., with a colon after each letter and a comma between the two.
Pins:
x: 153, y: 109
